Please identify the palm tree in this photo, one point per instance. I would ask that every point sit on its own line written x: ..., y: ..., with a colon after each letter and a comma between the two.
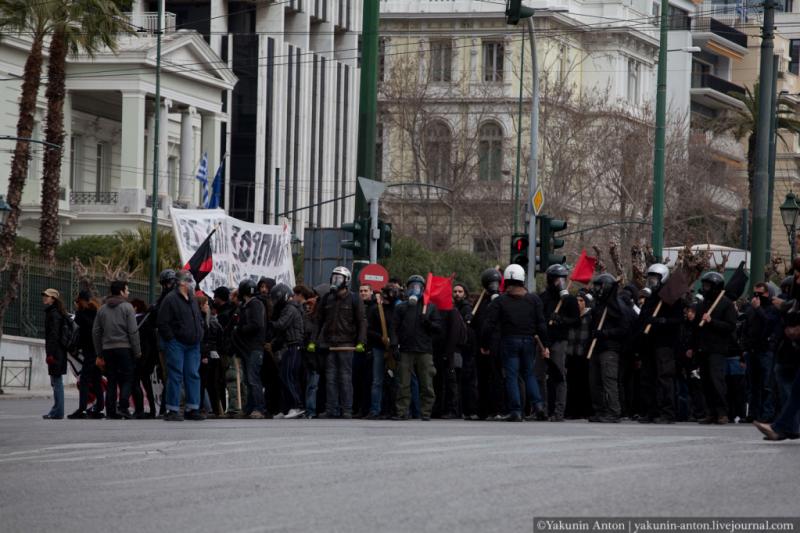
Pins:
x: 23, y: 17
x: 743, y: 123
x: 133, y: 250
x: 82, y: 26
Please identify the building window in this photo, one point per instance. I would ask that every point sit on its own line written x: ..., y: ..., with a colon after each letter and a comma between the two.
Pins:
x: 486, y: 247
x: 379, y: 151
x: 794, y: 53
x: 438, y: 145
x: 441, y: 60
x: 656, y: 14
x: 490, y: 152
x: 75, y: 167
x: 382, y: 59
x: 493, y: 54
x: 100, y: 173
x: 563, y: 67
x: 634, y: 77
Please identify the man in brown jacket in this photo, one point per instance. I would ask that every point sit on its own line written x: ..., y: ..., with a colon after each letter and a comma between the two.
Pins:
x: 342, y: 325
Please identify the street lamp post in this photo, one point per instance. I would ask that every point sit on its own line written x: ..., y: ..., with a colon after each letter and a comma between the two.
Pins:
x: 789, y: 211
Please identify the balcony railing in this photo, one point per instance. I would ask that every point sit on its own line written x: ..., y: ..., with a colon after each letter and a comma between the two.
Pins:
x: 93, y: 198
x: 708, y: 24
x: 148, y: 22
x: 149, y: 202
x: 708, y: 81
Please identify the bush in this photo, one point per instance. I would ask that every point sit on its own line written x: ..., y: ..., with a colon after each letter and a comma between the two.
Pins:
x: 23, y: 246
x: 87, y: 248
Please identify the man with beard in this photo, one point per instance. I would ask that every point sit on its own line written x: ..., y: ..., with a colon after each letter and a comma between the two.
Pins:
x: 469, y: 374
x: 610, y: 331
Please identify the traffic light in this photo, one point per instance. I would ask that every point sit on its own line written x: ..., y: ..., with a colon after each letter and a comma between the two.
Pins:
x: 519, y: 249
x: 549, y: 243
x: 359, y: 244
x: 516, y: 11
x: 385, y: 239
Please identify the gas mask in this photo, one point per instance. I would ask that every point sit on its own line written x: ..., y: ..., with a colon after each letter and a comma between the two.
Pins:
x: 707, y: 290
x: 391, y: 294
x: 338, y: 281
x: 414, y: 292
x: 559, y: 284
x: 653, y: 283
x: 493, y: 288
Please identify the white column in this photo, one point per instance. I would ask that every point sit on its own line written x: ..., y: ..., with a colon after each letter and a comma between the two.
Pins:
x: 188, y: 159
x: 132, y: 161
x: 163, y: 149
x: 219, y: 25
x: 148, y: 166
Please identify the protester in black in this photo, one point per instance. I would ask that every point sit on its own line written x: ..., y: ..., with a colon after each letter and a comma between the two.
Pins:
x: 90, y: 379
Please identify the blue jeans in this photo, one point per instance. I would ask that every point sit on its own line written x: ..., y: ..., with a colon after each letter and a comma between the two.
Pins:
x: 289, y: 372
x: 183, y: 367
x: 759, y: 379
x: 788, y: 420
x: 255, y: 389
x: 518, y: 357
x: 378, y: 371
x: 57, y: 382
x: 312, y: 387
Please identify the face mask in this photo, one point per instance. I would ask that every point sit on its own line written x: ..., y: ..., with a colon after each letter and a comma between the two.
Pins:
x: 494, y: 286
x: 337, y: 281
x: 653, y: 282
x: 764, y: 300
x: 707, y: 290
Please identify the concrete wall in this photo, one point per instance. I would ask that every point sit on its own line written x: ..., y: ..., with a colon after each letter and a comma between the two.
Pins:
x: 12, y: 347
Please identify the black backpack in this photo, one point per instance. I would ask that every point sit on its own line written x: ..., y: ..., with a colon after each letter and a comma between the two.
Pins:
x: 70, y: 334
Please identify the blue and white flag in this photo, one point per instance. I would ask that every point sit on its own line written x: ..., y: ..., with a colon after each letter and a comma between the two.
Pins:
x: 202, y: 176
x: 216, y: 188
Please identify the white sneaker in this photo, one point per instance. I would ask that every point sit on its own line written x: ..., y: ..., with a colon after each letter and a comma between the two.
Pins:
x: 279, y: 416
x: 295, y: 413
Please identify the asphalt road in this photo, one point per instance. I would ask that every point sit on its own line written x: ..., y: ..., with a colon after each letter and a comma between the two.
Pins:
x: 353, y: 476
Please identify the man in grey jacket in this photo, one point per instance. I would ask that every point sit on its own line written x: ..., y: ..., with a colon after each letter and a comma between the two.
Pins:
x: 116, y: 340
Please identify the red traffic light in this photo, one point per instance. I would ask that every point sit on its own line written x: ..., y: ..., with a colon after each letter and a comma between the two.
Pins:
x: 519, y: 244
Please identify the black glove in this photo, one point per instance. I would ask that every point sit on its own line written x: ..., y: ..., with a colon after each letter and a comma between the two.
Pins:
x: 557, y: 319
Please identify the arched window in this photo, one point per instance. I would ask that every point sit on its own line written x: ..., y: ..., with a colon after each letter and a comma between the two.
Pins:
x: 438, y: 152
x: 490, y: 151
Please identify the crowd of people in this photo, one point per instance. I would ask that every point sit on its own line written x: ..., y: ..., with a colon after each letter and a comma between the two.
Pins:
x: 606, y: 353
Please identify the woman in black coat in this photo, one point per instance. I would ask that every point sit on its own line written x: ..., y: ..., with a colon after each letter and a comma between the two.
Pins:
x: 90, y: 376
x: 56, y: 355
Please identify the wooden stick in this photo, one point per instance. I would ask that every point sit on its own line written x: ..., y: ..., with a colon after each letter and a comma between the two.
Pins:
x: 561, y: 301
x: 238, y: 383
x: 713, y: 306
x: 382, y: 318
x: 540, y: 344
x: 655, y: 314
x: 599, y: 327
x: 478, y: 303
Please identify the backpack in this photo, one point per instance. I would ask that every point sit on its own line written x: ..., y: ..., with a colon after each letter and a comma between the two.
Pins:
x: 70, y: 334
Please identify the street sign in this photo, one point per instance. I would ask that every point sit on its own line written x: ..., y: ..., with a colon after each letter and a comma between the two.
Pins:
x: 537, y: 201
x: 372, y: 189
x: 375, y: 276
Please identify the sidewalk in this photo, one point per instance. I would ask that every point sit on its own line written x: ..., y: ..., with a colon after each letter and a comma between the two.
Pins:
x: 38, y: 393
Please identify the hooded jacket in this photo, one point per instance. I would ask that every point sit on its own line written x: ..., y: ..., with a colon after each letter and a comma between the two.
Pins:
x: 412, y: 331
x: 115, y: 327
x: 516, y: 313
x: 289, y: 326
x: 616, y: 330
x: 250, y: 332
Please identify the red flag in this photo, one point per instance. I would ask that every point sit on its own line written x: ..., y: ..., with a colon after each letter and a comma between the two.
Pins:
x: 584, y: 268
x: 439, y: 291
x: 202, y: 262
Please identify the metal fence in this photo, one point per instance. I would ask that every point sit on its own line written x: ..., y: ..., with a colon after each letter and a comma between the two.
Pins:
x: 25, y: 316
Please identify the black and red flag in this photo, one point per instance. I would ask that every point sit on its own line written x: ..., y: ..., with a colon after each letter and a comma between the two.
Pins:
x: 202, y: 262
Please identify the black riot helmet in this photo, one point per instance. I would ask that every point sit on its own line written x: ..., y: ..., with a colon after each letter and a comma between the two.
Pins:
x: 557, y: 277
x: 711, y: 284
x: 490, y: 280
x: 168, y: 278
x: 247, y: 287
x: 280, y: 294
x: 603, y: 285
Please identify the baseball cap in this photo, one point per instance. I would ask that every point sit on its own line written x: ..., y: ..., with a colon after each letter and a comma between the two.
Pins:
x: 52, y: 293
